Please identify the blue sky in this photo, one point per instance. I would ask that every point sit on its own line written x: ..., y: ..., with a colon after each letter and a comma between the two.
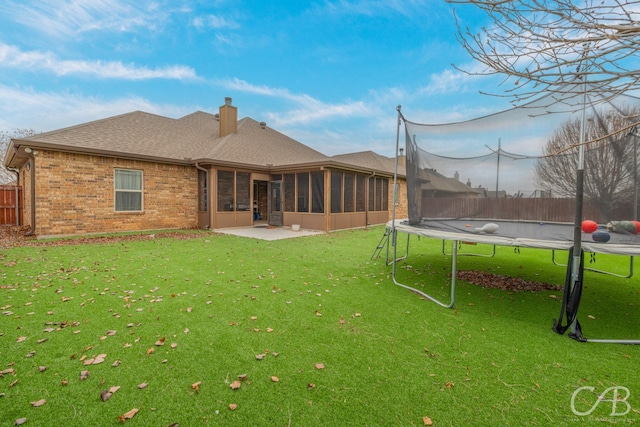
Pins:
x: 328, y: 73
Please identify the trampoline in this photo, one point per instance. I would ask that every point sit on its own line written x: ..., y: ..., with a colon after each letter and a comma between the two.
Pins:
x: 517, y: 234
x: 522, y: 234
x: 582, y: 163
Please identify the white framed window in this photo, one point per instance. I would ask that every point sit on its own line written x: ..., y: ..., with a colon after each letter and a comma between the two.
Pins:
x: 128, y: 190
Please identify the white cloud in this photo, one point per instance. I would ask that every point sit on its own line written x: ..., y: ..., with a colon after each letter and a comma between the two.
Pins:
x: 13, y: 57
x: 215, y: 22
x: 45, y: 111
x: 407, y: 8
x: 68, y: 18
x: 307, y: 110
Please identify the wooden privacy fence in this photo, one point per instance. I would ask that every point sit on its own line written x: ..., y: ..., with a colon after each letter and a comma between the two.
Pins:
x: 10, y: 205
x: 521, y: 209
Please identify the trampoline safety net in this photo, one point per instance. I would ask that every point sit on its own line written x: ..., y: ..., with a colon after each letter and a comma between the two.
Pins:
x: 521, y: 164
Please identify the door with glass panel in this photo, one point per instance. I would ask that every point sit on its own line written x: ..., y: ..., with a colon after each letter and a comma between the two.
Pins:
x: 275, y: 203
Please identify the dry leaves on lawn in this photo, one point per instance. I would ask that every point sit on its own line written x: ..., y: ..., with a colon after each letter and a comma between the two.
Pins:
x: 128, y: 415
x: 38, y: 403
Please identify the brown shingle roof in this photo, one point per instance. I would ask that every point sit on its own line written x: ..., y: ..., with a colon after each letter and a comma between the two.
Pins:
x: 138, y: 134
x: 371, y: 160
x: 255, y: 145
x: 194, y: 138
x: 437, y: 182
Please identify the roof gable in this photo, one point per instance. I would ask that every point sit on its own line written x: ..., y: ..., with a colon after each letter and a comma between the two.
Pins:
x: 255, y: 144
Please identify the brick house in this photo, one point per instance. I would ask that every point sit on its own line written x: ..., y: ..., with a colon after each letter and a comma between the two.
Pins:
x: 139, y: 171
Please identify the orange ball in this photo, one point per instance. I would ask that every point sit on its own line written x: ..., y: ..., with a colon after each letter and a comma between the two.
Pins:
x: 589, y: 226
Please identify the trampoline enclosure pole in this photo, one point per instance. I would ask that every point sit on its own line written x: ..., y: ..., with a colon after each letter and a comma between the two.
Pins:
x: 577, y: 226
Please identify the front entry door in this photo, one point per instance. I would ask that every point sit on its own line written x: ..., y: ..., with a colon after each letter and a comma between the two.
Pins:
x: 275, y: 203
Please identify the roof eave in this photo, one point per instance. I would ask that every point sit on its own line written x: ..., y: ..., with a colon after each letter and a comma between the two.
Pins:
x: 98, y: 152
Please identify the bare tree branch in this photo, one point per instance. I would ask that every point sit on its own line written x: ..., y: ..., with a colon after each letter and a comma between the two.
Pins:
x: 547, y: 45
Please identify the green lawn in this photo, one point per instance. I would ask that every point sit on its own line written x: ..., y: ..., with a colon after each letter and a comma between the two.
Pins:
x: 315, y: 333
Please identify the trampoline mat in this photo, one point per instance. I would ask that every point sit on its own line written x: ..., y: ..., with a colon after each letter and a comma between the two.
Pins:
x: 531, y: 234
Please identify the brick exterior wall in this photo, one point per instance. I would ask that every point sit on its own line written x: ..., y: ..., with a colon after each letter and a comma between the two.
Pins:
x: 75, y: 195
x: 401, y: 208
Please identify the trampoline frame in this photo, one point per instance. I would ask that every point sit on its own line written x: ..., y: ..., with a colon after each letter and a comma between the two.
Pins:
x: 575, y: 271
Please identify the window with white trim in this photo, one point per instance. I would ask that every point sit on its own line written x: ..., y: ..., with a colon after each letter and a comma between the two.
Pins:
x: 128, y: 190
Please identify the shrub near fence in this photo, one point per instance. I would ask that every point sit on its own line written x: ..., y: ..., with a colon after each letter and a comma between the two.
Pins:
x: 10, y: 205
x: 519, y: 209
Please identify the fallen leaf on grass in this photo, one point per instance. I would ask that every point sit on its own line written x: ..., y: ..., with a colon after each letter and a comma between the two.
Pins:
x: 235, y: 385
x: 174, y: 345
x: 260, y: 356
x: 84, y: 375
x: 160, y: 341
x: 13, y: 383
x: 105, y: 395
x: 7, y: 371
x: 128, y: 415
x: 151, y: 350
x: 116, y: 363
x: 233, y: 406
x: 275, y: 379
x: 38, y: 403
x: 242, y: 377
x: 94, y: 360
x: 21, y: 339
x: 42, y: 368
x: 311, y: 385
x: 319, y: 366
x: 427, y: 421
x: 114, y: 389
x: 196, y: 386
x: 142, y: 385
x: 20, y: 421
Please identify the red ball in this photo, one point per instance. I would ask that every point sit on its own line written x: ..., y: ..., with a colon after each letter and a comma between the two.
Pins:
x: 637, y: 224
x: 589, y: 226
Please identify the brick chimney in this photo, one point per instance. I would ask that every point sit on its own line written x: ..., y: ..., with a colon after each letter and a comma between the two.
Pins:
x: 228, y: 118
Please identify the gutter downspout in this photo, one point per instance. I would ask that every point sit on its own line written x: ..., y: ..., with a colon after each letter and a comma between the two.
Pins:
x: 206, y: 172
x: 32, y: 167
x: 366, y: 211
x: 17, y: 172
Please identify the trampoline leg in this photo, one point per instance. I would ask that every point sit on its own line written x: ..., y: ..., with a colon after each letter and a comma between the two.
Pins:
x: 454, y: 260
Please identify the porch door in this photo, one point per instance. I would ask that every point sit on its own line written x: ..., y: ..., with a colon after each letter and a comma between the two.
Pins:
x: 275, y: 203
